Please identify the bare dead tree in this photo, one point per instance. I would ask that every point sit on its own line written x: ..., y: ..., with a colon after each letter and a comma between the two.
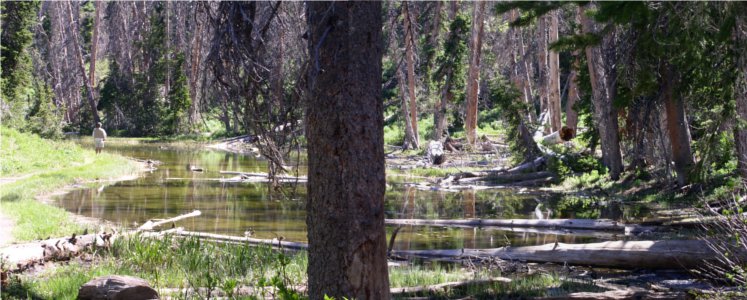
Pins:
x: 241, y: 62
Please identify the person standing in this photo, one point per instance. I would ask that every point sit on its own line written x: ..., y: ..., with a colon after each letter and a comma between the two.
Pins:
x: 99, y: 136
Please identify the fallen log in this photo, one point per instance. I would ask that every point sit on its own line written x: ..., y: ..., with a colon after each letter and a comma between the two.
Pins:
x: 672, y: 254
x: 22, y: 256
x: 275, y: 243
x: 264, y: 175
x: 508, y: 177
x: 149, y: 225
x: 600, y: 224
x: 618, y: 295
x: 435, y: 288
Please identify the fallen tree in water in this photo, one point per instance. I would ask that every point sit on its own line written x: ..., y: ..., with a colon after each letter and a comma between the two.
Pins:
x: 595, y: 224
x: 673, y: 254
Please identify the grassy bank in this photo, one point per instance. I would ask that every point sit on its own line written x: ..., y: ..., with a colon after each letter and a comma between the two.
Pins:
x: 40, y: 166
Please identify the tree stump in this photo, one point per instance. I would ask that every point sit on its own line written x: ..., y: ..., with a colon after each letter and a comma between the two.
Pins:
x: 436, y: 152
x: 115, y: 287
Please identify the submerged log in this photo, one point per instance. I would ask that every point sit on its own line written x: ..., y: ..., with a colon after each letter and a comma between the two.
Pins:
x: 117, y: 287
x: 674, y: 254
x: 275, y: 243
x: 594, y: 224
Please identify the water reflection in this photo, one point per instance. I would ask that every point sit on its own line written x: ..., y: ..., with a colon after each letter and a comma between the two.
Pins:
x: 233, y: 208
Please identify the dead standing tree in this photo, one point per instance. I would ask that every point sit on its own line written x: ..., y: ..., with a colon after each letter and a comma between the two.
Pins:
x: 241, y: 64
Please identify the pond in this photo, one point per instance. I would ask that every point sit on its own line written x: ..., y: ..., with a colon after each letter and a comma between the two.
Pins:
x: 235, y: 208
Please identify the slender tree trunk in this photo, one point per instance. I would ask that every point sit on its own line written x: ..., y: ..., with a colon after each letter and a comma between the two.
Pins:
x: 605, y: 114
x: 95, y: 42
x: 410, y: 55
x: 519, y: 77
x: 446, y: 96
x: 473, y: 74
x: 543, y: 69
x: 553, y: 95
x: 679, y: 133
x: 571, y: 115
x: 81, y: 64
x: 344, y: 115
x: 410, y: 141
x: 167, y: 85
x: 433, y: 44
x: 740, y: 90
x: 527, y: 81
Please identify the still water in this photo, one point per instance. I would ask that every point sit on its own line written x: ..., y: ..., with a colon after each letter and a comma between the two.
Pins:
x: 234, y: 208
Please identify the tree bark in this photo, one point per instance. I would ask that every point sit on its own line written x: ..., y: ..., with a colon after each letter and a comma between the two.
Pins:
x: 679, y: 133
x: 344, y: 117
x: 473, y: 75
x: 740, y: 90
x: 81, y: 65
x: 553, y: 95
x: 605, y: 114
x: 410, y: 56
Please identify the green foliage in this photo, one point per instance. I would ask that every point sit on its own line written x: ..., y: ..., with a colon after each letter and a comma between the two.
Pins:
x: 449, y: 73
x: 44, y: 118
x: 178, y: 100
x: 15, y: 63
x: 506, y: 98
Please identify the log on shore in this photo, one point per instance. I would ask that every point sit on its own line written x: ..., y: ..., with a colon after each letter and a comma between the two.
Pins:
x: 594, y: 224
x: 671, y: 254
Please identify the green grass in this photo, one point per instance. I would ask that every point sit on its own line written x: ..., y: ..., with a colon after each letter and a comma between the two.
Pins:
x: 22, y: 153
x: 56, y: 165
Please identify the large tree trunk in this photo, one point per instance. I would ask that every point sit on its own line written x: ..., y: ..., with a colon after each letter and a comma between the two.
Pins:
x: 344, y: 117
x: 679, y: 133
x: 410, y: 56
x: 81, y: 64
x: 605, y: 114
x: 473, y: 75
x: 553, y: 95
x: 740, y: 90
